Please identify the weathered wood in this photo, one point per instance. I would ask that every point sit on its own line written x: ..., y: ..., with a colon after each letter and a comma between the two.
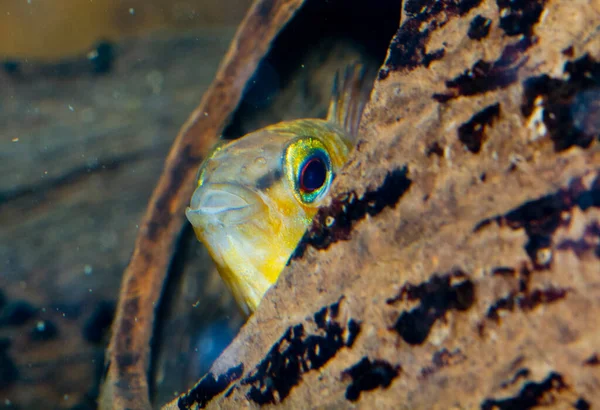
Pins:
x: 126, y: 386
x: 458, y: 263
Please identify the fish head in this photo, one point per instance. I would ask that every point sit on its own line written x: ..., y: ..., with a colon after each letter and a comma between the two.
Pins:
x: 257, y: 195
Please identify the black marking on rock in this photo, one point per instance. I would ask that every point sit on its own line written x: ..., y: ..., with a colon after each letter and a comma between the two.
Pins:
x: 570, y: 107
x: 518, y: 17
x: 383, y: 74
x: 472, y: 133
x: 443, y: 358
x: 8, y: 369
x: 531, y: 395
x: 297, y: 353
x: 353, y: 329
x: 569, y: 52
x: 437, y: 296
x: 408, y: 48
x: 266, y: 181
x: 582, y: 404
x: 465, y: 6
x: 525, y: 299
x: 99, y: 322
x: 538, y: 297
x: 434, y: 149
x: 487, y: 76
x: 43, y: 330
x: 522, y: 373
x: 506, y: 303
x: 593, y: 360
x: 503, y: 271
x: 368, y: 375
x: 17, y: 313
x: 541, y: 217
x: 335, y: 223
x: 589, y: 241
x: 482, y: 224
x: 479, y: 27
x: 209, y: 387
x: 415, y: 7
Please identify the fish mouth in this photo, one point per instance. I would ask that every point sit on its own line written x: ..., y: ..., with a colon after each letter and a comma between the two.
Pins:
x: 222, y: 205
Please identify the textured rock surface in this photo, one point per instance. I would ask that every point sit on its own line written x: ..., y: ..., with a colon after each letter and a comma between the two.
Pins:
x: 458, y: 265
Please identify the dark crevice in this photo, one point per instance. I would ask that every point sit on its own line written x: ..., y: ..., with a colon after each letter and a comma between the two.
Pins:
x: 317, y: 29
x: 166, y: 304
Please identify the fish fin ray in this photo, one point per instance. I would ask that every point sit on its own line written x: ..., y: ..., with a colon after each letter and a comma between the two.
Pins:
x: 349, y: 97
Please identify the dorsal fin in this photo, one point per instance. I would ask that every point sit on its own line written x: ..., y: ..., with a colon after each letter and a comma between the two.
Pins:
x: 349, y: 98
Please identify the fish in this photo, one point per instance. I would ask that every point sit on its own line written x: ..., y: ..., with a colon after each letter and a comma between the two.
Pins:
x: 257, y: 195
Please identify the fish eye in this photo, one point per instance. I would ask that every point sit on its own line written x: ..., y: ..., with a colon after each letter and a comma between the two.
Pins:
x: 309, y: 169
x: 313, y: 175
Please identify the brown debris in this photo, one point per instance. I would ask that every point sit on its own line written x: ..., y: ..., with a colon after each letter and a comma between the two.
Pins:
x: 542, y: 350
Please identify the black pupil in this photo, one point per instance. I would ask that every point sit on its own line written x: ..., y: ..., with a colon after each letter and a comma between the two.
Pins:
x: 313, y: 175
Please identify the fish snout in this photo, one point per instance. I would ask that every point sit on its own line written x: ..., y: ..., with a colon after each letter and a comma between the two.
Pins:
x: 222, y: 205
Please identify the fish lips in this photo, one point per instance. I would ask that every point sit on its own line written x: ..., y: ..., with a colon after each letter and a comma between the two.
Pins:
x: 222, y: 205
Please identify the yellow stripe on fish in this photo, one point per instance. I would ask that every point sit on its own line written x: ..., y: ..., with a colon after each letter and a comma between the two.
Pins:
x: 257, y: 195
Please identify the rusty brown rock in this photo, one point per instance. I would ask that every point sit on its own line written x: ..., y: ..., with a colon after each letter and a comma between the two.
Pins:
x: 458, y: 263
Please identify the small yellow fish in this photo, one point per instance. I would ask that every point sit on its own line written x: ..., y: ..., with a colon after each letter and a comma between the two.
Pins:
x: 257, y: 195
